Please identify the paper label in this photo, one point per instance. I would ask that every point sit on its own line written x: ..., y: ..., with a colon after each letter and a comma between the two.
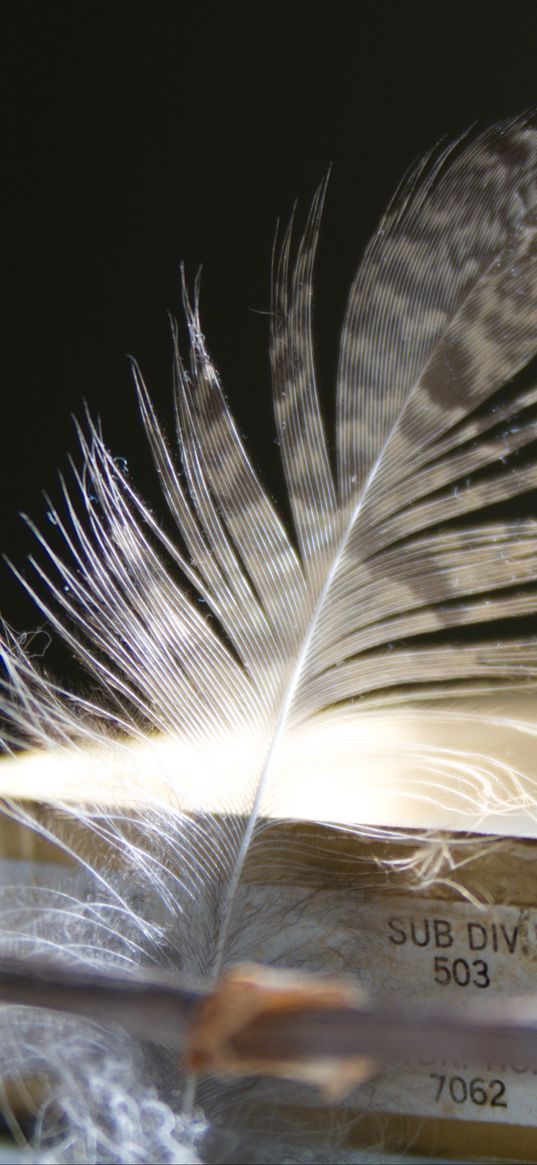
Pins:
x: 423, y: 951
x: 402, y: 949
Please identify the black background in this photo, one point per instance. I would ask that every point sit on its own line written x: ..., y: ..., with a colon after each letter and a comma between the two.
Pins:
x: 136, y: 139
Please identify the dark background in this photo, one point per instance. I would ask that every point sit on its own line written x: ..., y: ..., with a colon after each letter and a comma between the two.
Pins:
x: 134, y: 140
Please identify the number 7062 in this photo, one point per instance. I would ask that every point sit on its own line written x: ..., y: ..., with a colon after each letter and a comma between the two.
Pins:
x: 476, y: 1091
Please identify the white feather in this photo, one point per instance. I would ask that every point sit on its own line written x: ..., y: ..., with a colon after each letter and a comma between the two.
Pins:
x: 340, y: 672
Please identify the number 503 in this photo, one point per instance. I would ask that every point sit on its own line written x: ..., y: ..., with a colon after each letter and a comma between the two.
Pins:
x: 461, y: 972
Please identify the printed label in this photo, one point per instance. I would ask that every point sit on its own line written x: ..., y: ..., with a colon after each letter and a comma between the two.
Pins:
x: 426, y: 952
x: 437, y: 951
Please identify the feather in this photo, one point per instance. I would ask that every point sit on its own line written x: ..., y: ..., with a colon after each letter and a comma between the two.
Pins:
x: 374, y: 667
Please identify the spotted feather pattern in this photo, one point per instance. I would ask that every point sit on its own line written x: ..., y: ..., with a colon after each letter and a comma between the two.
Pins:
x: 348, y: 670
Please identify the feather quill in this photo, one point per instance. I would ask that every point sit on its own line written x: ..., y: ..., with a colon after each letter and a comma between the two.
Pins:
x: 348, y: 671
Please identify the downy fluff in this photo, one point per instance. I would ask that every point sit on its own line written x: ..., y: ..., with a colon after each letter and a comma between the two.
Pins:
x: 359, y: 668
